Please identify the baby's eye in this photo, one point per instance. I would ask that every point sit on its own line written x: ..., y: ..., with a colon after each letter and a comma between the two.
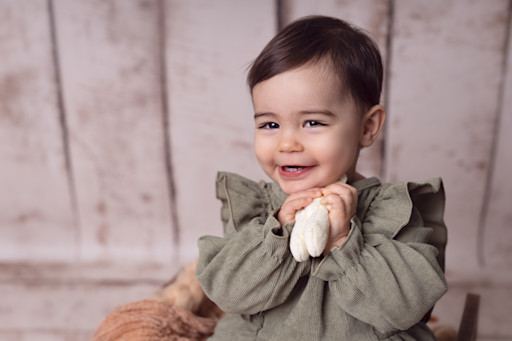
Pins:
x: 313, y: 124
x: 269, y: 125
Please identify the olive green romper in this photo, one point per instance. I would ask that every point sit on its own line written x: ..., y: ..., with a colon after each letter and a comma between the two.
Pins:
x: 378, y: 286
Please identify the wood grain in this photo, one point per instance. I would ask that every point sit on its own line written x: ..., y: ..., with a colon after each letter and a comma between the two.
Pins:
x: 497, y: 216
x: 36, y: 221
x: 445, y: 81
x: 110, y: 73
x: 209, y: 48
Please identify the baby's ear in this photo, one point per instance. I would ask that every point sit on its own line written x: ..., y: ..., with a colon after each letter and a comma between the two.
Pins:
x: 373, y: 122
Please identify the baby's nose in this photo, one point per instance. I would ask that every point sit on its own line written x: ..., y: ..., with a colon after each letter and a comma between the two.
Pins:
x: 290, y: 143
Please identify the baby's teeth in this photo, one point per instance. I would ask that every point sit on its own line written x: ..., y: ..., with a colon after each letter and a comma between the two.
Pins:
x: 293, y: 169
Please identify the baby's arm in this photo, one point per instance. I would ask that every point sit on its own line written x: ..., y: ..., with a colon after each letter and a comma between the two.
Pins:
x: 251, y: 269
x: 388, y: 283
x: 250, y: 272
x: 386, y: 273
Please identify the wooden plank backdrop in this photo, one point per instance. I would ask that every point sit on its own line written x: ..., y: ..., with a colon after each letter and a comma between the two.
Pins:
x: 209, y: 46
x: 443, y: 106
x: 36, y: 220
x: 116, y: 115
x: 497, y: 216
x: 109, y: 53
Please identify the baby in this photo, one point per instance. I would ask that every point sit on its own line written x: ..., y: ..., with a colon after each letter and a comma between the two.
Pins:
x: 316, y: 89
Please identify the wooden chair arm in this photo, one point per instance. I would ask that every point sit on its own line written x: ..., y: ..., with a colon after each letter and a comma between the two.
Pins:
x: 469, y: 322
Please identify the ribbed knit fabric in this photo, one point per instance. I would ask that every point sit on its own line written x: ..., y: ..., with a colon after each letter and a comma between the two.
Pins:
x: 161, y: 321
x: 378, y: 285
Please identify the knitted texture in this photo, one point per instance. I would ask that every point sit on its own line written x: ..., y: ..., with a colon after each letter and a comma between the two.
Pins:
x: 149, y: 320
x: 179, y: 311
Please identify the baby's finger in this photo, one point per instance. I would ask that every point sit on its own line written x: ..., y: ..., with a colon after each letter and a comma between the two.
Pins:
x: 310, y: 193
x: 290, y: 207
x: 336, y: 205
x: 339, y: 218
x: 346, y: 192
x: 340, y: 189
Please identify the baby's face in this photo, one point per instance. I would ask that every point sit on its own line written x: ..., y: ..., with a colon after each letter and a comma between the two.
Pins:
x: 307, y: 134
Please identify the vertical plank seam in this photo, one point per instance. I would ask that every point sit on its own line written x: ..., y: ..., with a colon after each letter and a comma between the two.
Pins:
x: 387, y: 86
x: 171, y: 184
x: 281, y: 17
x: 64, y: 129
x: 484, y: 210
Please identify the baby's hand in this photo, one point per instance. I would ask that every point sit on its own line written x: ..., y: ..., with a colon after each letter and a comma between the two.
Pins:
x: 310, y: 232
x: 342, y: 202
x: 295, y: 202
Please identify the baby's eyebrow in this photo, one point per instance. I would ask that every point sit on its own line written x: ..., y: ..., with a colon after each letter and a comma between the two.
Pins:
x: 302, y: 112
x: 263, y: 114
x: 321, y: 112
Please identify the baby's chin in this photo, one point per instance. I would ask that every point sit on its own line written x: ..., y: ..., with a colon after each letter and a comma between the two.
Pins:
x: 290, y: 187
x: 294, y: 188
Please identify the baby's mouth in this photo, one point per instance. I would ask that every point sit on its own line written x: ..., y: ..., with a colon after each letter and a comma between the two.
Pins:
x: 293, y: 169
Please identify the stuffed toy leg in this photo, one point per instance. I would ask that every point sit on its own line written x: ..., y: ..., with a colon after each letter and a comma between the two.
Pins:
x: 311, y: 230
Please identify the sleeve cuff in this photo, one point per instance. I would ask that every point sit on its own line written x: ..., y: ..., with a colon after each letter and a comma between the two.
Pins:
x: 342, y: 257
x: 277, y: 237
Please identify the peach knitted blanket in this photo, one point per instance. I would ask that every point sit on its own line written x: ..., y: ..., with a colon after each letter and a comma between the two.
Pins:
x: 178, y: 312
x: 150, y: 320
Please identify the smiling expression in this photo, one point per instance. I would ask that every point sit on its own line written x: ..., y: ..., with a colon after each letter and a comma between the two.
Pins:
x: 307, y: 132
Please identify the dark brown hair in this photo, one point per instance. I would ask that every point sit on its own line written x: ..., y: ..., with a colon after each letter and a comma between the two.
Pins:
x: 353, y: 56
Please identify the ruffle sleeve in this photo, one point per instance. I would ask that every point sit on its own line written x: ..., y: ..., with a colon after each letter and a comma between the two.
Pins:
x: 429, y: 198
x: 390, y: 209
x: 386, y: 273
x: 243, y: 200
x: 250, y: 269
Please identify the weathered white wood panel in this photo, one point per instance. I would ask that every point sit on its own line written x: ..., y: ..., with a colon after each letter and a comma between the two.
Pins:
x: 209, y: 47
x: 44, y: 335
x: 369, y: 15
x: 68, y: 302
x: 445, y: 78
x: 64, y: 307
x: 63, y: 310
x: 496, y: 232
x: 109, y: 52
x: 494, y: 312
x: 372, y: 17
x: 36, y: 220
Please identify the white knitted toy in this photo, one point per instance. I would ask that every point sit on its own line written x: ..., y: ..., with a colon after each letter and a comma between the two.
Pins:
x: 311, y: 230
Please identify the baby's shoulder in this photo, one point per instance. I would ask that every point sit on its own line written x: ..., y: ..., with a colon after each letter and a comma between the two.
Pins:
x: 390, y: 205
x: 372, y: 189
